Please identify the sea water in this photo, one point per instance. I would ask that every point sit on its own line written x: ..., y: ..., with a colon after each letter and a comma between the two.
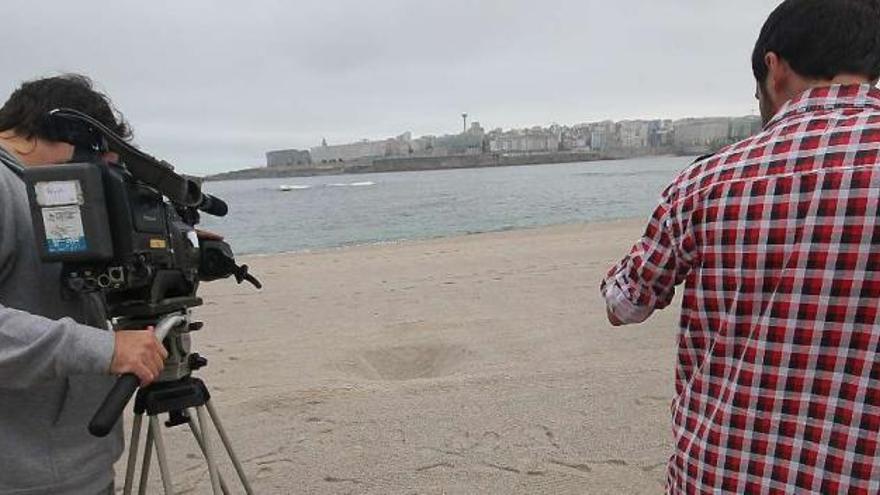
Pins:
x: 341, y: 210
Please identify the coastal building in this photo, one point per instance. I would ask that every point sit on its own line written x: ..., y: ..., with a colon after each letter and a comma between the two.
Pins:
x: 397, y: 146
x: 576, y: 138
x: 603, y: 135
x: 634, y: 134
x: 662, y: 134
x: 532, y: 140
x: 700, y: 135
x: 288, y: 158
x: 743, y: 127
x: 466, y: 143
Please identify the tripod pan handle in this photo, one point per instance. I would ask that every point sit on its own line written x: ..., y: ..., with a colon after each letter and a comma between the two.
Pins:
x: 107, y: 415
x: 125, y: 386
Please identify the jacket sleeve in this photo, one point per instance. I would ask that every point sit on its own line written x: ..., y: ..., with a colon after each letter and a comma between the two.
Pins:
x: 34, y: 349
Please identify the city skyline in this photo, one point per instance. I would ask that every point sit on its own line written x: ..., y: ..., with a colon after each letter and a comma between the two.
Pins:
x: 626, y: 138
x: 475, y: 119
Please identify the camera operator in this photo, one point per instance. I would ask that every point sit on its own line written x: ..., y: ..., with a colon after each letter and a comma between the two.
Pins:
x: 57, y: 358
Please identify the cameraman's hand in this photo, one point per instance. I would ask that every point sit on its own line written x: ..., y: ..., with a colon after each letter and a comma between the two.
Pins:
x: 207, y: 235
x: 138, y: 352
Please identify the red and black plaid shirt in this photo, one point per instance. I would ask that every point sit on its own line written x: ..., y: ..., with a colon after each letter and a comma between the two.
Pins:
x: 777, y: 239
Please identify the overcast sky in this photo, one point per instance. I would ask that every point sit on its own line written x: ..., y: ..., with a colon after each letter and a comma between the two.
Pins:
x: 213, y: 85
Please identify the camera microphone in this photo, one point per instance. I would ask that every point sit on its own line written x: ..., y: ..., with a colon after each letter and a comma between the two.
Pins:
x: 212, y: 205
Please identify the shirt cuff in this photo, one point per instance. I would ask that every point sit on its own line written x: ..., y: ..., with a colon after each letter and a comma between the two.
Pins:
x: 624, y: 309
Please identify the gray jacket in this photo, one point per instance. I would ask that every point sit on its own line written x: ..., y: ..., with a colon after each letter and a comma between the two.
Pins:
x: 54, y: 366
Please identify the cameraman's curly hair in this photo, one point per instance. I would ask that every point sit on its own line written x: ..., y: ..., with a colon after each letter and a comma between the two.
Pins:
x: 27, y: 110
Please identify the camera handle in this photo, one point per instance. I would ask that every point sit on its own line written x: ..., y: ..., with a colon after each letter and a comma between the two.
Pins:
x: 126, y: 385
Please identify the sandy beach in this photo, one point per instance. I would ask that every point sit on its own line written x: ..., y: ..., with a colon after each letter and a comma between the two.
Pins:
x: 468, y: 365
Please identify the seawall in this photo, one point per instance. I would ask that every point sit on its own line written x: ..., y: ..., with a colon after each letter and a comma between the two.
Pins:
x: 406, y: 164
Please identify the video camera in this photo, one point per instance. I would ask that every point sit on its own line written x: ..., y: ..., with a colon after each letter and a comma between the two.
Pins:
x: 126, y: 229
x: 125, y: 233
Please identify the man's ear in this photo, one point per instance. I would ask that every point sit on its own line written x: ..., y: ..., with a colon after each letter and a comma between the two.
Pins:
x: 23, y: 146
x: 783, y: 82
x: 777, y: 74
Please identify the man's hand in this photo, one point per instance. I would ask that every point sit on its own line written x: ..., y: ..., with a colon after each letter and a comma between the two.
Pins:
x: 138, y: 352
x: 207, y: 235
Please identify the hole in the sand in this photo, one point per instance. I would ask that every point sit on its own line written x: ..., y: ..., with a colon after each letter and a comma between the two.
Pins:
x: 407, y: 362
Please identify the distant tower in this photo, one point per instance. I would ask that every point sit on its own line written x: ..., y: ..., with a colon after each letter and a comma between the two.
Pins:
x: 464, y: 120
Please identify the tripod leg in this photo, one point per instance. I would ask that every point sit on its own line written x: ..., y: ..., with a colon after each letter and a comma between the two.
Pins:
x: 209, y: 456
x: 196, y: 431
x: 148, y: 455
x: 133, y: 447
x: 160, y: 453
x: 226, y: 443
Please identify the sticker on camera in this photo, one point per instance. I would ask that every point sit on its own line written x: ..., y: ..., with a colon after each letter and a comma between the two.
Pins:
x: 57, y: 193
x: 64, y: 230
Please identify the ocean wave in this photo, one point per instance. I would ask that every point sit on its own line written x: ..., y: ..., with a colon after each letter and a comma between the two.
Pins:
x: 353, y: 184
x: 293, y: 187
x: 636, y: 173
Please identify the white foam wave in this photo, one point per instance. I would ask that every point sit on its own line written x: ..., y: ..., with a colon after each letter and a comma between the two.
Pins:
x: 353, y: 184
x: 293, y: 187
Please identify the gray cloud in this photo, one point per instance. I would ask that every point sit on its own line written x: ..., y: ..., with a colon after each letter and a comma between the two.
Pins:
x: 212, y: 85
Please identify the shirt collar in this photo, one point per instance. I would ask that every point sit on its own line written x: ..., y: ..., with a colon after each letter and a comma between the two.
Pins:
x: 833, y: 97
x: 10, y: 160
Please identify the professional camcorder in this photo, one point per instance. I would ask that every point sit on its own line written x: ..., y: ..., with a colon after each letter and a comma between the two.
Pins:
x: 124, y: 231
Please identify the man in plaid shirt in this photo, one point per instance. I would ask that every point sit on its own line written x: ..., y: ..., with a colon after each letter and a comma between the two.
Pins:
x: 777, y: 239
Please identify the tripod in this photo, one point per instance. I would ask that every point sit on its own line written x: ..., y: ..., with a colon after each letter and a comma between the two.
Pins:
x: 177, y: 398
x: 176, y: 393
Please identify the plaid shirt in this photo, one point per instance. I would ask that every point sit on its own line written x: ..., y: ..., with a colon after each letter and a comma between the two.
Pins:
x: 777, y: 239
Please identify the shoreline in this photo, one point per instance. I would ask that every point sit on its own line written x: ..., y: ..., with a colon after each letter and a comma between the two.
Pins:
x: 441, y: 237
x: 427, y: 164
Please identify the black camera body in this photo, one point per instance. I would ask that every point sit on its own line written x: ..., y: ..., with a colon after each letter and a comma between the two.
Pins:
x: 116, y: 235
x: 126, y: 231
x: 125, y: 234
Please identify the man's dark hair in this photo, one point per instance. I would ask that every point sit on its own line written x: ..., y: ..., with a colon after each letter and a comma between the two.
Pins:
x: 27, y: 110
x: 822, y: 39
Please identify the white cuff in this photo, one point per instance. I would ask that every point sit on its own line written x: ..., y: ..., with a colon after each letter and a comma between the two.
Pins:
x: 620, y: 305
